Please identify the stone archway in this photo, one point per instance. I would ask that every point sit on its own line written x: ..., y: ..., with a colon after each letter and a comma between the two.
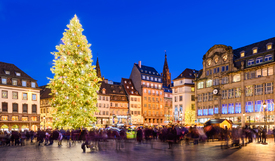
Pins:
x: 4, y: 127
x: 15, y: 128
x: 24, y: 127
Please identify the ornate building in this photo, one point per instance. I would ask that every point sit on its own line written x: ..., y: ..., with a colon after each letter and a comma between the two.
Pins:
x: 184, y: 96
x: 103, y: 105
x: 237, y: 84
x: 134, y: 99
x: 46, y: 116
x: 20, y: 99
x: 166, y: 77
x: 148, y: 82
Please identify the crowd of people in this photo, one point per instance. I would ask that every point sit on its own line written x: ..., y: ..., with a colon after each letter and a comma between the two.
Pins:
x: 171, y: 134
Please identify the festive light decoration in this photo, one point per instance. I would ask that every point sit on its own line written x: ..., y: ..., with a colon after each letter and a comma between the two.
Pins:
x: 75, y: 81
x: 190, y: 116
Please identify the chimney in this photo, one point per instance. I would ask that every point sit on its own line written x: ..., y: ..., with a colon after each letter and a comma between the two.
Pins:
x: 139, y: 64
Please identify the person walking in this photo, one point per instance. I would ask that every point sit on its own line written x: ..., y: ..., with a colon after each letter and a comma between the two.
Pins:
x: 139, y: 135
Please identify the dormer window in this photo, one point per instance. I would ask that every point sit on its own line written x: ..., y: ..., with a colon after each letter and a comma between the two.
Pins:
x: 103, y: 90
x: 33, y: 84
x: 24, y: 83
x: 125, y: 82
x: 269, y: 46
x: 132, y: 92
x: 149, y: 72
x: 242, y: 54
x: 18, y: 74
x: 7, y: 72
x: 153, y: 72
x: 14, y: 82
x: 255, y: 50
x: 127, y: 87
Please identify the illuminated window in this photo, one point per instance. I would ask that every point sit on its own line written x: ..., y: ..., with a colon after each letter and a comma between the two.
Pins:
x: 7, y: 72
x: 249, y: 90
x: 238, y: 92
x: 14, y: 118
x: 242, y: 54
x: 209, y: 83
x: 249, y: 107
x: 33, y: 118
x: 238, y: 108
x: 4, y: 94
x: 268, y: 88
x: 269, y: 46
x: 200, y: 85
x: 192, y: 89
x: 224, y: 108
x: 4, y: 118
x: 270, y: 70
x: 18, y: 74
x: 14, y: 95
x: 24, y: 83
x: 4, y: 80
x: 34, y: 97
x: 237, y: 78
x: 25, y: 118
x: 255, y: 50
x: 33, y: 84
x: 14, y: 82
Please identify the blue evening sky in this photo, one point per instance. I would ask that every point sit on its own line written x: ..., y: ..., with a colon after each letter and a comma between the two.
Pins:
x: 123, y: 32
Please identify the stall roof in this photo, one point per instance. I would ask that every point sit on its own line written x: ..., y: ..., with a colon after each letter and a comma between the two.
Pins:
x: 216, y: 121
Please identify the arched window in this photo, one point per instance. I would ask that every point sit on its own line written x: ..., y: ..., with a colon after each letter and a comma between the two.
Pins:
x: 268, y: 57
x: 237, y: 78
x: 250, y: 62
x: 259, y: 60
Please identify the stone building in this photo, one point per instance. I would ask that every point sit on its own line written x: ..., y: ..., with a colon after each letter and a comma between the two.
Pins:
x: 148, y: 83
x: 237, y: 84
x: 20, y: 99
x: 134, y: 99
x: 103, y: 105
x: 47, y: 111
x: 183, y: 94
x: 166, y: 77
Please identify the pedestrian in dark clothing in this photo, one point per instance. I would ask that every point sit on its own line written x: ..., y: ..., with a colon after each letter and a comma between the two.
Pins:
x: 171, y: 137
x: 274, y: 133
x: 264, y: 135
x: 139, y: 135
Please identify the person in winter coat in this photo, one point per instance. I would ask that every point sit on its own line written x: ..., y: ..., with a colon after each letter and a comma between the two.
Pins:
x: 139, y: 135
x: 171, y: 136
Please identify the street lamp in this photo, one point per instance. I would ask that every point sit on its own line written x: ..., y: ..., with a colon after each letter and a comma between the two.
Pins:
x: 44, y: 121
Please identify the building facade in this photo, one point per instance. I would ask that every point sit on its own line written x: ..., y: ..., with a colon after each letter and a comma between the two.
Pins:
x: 20, y: 99
x: 237, y: 84
x: 184, y: 95
x: 148, y: 83
x: 47, y: 111
x: 134, y: 99
x: 103, y: 105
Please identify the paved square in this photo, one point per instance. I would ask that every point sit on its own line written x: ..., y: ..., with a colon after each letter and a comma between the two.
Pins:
x: 144, y: 152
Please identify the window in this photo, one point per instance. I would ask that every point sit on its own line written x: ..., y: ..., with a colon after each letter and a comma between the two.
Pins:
x: 248, y: 90
x: 199, y: 97
x: 238, y: 108
x: 144, y: 90
x: 33, y: 118
x: 231, y: 93
x: 259, y: 60
x: 149, y: 91
x: 152, y: 79
x: 230, y: 108
x: 249, y: 107
x: 224, y: 80
x: 216, y: 110
x: 159, y: 80
x: 224, y: 94
x: 4, y: 107
x: 192, y: 89
x: 180, y: 98
x: 25, y: 96
x: 264, y: 72
x: 205, y: 111
x: 210, y: 96
x: 216, y: 82
x: 175, y: 99
x: 24, y: 83
x: 7, y: 72
x: 270, y: 104
x: 200, y: 85
x: 214, y: 70
x: 199, y: 111
x: 4, y: 80
x: 143, y: 77
x: 192, y: 97
x: 237, y: 92
x: 268, y: 57
x: 14, y: 107
x: 14, y: 95
x: 204, y: 97
x: 258, y: 73
x: 207, y: 72
x: 242, y: 54
x: 237, y: 78
x: 255, y: 50
x: 34, y: 108
x: 14, y: 118
x: 269, y: 46
x: 25, y: 118
x: 223, y: 68
x: 18, y: 74
x: 269, y: 88
x: 270, y: 70
x: 259, y: 89
x: 258, y: 106
x: 250, y: 62
x: 4, y: 94
x: 246, y: 76
x: 253, y: 75
x: 210, y: 110
x: 192, y: 106
x: 34, y: 97
x: 224, y: 108
x: 14, y: 82
x: 218, y: 69
x: 209, y: 83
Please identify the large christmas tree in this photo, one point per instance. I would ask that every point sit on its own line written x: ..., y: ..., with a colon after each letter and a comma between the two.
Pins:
x: 75, y: 83
x: 190, y: 116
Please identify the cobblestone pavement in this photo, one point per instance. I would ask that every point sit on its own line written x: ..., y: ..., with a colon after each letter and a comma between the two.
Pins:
x: 133, y: 151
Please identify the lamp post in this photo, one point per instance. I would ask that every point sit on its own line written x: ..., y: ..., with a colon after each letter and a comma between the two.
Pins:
x: 44, y: 121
